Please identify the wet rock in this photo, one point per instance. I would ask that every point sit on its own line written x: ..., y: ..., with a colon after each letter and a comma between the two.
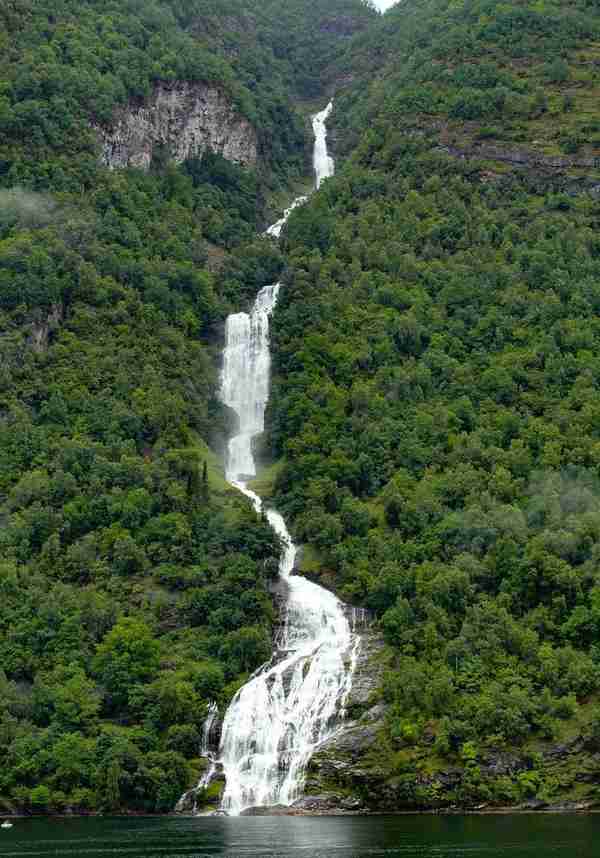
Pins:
x: 534, y: 804
x: 203, y: 798
x: 375, y: 713
x: 274, y: 810
x: 360, y: 619
x: 183, y: 119
x: 368, y: 674
x: 571, y: 806
x: 349, y: 745
x: 352, y: 803
x: 318, y: 803
x: 187, y: 802
x: 340, y: 762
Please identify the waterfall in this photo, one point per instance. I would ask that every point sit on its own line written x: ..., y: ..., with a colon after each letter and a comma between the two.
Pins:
x: 275, y: 230
x: 189, y: 799
x: 206, y: 749
x: 322, y: 161
x: 296, y: 701
x: 245, y: 379
x: 322, y: 164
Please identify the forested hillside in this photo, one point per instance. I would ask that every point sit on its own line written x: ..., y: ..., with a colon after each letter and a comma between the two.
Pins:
x: 436, y: 407
x: 479, y: 72
x: 435, y: 415
x: 134, y: 582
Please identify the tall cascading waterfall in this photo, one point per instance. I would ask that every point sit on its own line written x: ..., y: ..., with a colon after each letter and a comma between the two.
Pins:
x: 296, y: 701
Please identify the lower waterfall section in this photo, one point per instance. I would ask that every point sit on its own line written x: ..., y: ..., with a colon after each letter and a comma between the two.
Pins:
x: 281, y: 716
x: 296, y: 701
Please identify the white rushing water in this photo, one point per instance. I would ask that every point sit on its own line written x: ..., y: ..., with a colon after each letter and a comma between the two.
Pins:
x: 322, y: 162
x: 296, y: 701
x: 207, y: 750
x: 275, y: 230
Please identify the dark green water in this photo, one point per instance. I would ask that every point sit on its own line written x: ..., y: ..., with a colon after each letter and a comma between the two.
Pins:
x: 309, y: 837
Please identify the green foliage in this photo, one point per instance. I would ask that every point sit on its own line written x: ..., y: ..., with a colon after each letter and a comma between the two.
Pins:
x: 435, y: 65
x: 127, y: 655
x: 134, y: 583
x: 435, y: 364
x: 74, y: 61
x: 435, y: 406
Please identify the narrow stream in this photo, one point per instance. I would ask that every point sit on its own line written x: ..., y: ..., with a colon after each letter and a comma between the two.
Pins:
x: 295, y: 701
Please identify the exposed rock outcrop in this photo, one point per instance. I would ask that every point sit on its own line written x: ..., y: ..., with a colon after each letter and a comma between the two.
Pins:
x: 182, y: 118
x: 525, y: 157
x: 341, y: 25
x: 42, y: 326
x: 350, y: 774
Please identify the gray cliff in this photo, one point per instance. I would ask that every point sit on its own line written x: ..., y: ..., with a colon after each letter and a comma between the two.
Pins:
x: 182, y: 118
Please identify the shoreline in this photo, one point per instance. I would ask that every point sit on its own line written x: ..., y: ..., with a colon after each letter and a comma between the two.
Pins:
x: 271, y: 812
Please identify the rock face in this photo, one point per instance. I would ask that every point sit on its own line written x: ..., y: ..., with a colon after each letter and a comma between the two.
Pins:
x: 182, y: 118
x: 341, y: 25
x: 340, y: 771
x: 43, y: 326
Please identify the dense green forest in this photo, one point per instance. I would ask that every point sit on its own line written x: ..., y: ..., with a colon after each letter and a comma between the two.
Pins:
x: 517, y: 73
x: 135, y: 584
x: 65, y: 63
x: 435, y: 412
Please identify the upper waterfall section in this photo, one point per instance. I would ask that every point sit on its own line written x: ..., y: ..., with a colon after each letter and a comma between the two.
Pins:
x: 323, y: 166
x: 323, y: 163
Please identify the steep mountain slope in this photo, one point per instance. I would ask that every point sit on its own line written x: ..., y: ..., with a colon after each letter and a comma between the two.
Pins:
x: 66, y: 66
x: 515, y: 74
x: 134, y: 582
x: 435, y: 408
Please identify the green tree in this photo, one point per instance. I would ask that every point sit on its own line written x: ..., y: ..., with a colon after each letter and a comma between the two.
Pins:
x: 128, y: 654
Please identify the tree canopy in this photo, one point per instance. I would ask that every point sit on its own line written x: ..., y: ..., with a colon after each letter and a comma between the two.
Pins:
x: 436, y: 358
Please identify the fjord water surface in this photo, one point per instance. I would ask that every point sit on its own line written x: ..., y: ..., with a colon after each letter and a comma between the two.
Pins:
x: 292, y: 704
x: 302, y: 837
